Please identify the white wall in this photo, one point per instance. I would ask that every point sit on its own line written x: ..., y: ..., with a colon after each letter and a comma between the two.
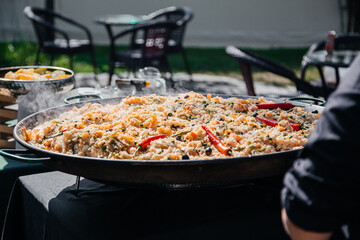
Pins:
x: 216, y: 23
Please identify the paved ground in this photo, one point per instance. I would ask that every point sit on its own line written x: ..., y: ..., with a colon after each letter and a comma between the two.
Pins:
x: 201, y: 83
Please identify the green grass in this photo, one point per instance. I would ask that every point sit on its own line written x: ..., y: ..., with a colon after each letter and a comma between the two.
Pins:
x: 202, y: 60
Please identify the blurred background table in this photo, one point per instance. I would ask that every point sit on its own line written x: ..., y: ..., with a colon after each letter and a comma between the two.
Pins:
x: 120, y: 19
x: 338, y: 60
x: 331, y: 66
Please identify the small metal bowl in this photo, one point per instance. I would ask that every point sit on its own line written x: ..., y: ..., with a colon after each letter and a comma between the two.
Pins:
x: 21, y: 87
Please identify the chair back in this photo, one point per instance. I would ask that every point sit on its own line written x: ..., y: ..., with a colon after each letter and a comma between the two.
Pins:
x: 247, y: 60
x: 348, y: 41
x: 156, y: 38
x: 43, y: 22
x: 260, y: 62
x: 180, y: 15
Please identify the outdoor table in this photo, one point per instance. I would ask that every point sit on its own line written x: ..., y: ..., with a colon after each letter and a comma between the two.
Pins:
x: 336, y: 60
x: 117, y: 20
x: 46, y: 206
x: 120, y: 19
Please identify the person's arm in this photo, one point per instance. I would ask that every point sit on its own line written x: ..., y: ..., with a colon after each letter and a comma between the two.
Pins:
x: 320, y: 193
x: 298, y: 233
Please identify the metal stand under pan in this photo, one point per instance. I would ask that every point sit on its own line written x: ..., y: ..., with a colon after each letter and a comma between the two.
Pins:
x: 77, y: 185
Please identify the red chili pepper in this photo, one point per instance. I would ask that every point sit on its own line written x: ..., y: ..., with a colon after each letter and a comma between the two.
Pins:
x: 273, y: 123
x: 147, y: 141
x: 283, y: 106
x: 217, y: 143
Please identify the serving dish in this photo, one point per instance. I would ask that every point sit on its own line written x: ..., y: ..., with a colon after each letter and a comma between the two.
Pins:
x: 21, y: 87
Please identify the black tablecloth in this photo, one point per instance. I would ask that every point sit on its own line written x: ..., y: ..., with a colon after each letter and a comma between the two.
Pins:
x: 44, y: 206
x: 10, y: 170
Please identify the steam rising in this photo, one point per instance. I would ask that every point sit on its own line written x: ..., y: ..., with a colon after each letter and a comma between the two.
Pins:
x: 40, y: 97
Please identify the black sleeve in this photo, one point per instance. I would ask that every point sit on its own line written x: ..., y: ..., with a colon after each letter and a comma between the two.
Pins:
x: 321, y: 190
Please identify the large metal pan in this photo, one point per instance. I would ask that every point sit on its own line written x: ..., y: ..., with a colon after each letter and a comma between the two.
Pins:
x: 159, y: 174
x: 20, y: 87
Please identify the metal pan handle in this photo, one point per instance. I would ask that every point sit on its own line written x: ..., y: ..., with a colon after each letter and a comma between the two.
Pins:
x: 318, y: 101
x: 22, y: 155
x: 68, y: 100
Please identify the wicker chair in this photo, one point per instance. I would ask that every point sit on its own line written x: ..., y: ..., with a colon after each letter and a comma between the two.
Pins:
x: 182, y: 16
x: 152, y: 51
x: 43, y: 21
x: 248, y: 60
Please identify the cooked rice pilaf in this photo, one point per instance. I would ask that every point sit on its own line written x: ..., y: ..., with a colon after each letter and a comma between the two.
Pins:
x: 128, y: 130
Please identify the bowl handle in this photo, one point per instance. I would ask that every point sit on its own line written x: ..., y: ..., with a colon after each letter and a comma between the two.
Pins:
x: 22, y: 155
